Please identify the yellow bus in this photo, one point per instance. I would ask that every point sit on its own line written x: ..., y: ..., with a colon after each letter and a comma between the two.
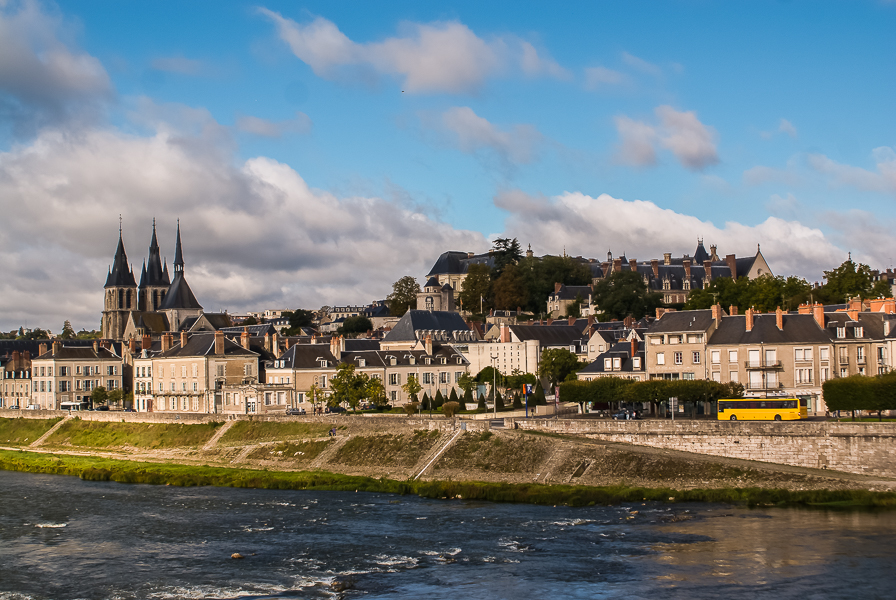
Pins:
x: 763, y: 409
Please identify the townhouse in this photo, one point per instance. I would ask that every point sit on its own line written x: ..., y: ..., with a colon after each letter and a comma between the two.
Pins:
x: 675, y: 344
x: 15, y: 389
x: 624, y: 359
x: 64, y: 374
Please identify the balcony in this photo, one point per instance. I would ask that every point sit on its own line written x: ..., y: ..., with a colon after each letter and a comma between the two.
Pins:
x: 843, y: 359
x: 860, y: 360
x: 763, y: 385
x: 760, y: 365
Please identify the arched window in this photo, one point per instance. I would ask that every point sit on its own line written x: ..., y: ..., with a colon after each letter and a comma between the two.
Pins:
x: 120, y: 299
x: 429, y: 303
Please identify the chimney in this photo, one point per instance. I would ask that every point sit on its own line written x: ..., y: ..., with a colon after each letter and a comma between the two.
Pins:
x: 749, y: 319
x: 804, y: 309
x: 491, y: 312
x: 41, y: 349
x: 687, y: 267
x: 505, y: 333
x: 550, y: 320
x: 244, y: 338
x: 184, y: 338
x: 732, y: 264
x: 818, y: 313
x: 634, y: 346
x: 571, y: 321
x: 617, y: 264
x: 428, y: 344
x: 707, y: 268
x: 147, y: 342
x: 660, y: 312
x: 267, y: 341
x: 853, y: 314
x: 26, y: 357
x: 557, y: 285
x: 166, y: 342
x: 886, y: 327
x: 779, y: 318
x: 286, y: 342
x: 219, y: 342
x: 732, y: 310
x: 275, y: 345
x: 334, y: 347
x: 633, y: 264
x: 712, y: 253
x: 132, y: 345
x: 590, y: 321
x: 95, y: 346
x: 667, y: 258
x: 855, y: 304
x: 717, y: 313
x: 57, y: 348
x: 655, y: 265
x: 628, y: 322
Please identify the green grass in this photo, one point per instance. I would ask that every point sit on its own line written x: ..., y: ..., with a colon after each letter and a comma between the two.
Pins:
x: 102, y: 469
x: 96, y: 434
x: 21, y: 431
x: 253, y: 432
x: 386, y: 449
x: 290, y: 451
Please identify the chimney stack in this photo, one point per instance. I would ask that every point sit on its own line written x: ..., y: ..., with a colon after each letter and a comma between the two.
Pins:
x: 184, y: 338
x: 428, y: 343
x: 660, y: 312
x: 818, y: 313
x: 655, y: 265
x: 667, y: 258
x: 244, y: 338
x: 95, y: 346
x: 132, y: 345
x: 57, y: 348
x: 505, y: 333
x: 219, y: 343
x: 557, y: 285
x: 147, y: 342
x: 590, y: 321
x: 687, y: 267
x: 633, y: 264
x: 267, y: 341
x: 717, y: 313
x: 571, y: 321
x: 804, y: 309
x: 779, y: 318
x: 41, y: 349
x: 628, y: 322
x: 731, y: 259
x: 749, y: 319
x: 166, y: 342
x: 732, y: 310
x: 707, y: 269
x: 275, y: 345
x: 550, y: 320
x: 634, y: 346
x: 617, y: 264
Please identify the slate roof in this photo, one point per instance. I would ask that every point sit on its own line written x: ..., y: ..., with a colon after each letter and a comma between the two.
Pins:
x: 153, y: 272
x: 362, y: 344
x: 79, y: 353
x: 431, y: 320
x: 561, y: 335
x: 622, y: 350
x: 376, y: 310
x: 120, y: 273
x: 7, y: 347
x: 203, y: 344
x: 433, y: 282
x: 307, y: 356
x: 677, y: 322
x: 458, y: 263
x: 569, y: 292
x: 152, y: 322
x: 798, y: 329
x: 218, y: 320
x: 872, y: 325
x: 180, y: 295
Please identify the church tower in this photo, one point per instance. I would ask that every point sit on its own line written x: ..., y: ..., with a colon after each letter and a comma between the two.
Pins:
x: 120, y: 294
x: 179, y: 302
x: 154, y: 281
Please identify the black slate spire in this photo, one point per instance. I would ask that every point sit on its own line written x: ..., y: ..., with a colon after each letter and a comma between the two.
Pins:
x: 120, y: 275
x: 155, y: 274
x: 178, y: 254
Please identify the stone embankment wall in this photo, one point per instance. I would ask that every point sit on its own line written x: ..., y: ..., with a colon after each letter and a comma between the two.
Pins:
x: 864, y: 448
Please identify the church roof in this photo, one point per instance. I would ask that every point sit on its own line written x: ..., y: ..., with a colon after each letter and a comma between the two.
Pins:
x: 700, y: 254
x: 120, y: 274
x: 180, y: 295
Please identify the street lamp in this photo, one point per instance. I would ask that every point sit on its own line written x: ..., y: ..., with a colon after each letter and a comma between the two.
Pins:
x: 494, y: 383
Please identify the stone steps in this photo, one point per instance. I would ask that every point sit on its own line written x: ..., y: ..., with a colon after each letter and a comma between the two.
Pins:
x: 52, y: 430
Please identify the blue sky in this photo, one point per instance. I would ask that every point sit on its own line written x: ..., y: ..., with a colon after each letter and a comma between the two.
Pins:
x: 317, y: 152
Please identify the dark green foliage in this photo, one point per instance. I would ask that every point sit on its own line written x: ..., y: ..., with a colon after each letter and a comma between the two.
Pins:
x: 489, y: 375
x: 538, y: 398
x: 297, y: 319
x: 481, y: 404
x: 467, y: 401
x: 452, y: 397
x: 517, y: 403
x: 426, y: 403
x: 499, y: 401
x: 505, y: 252
x: 354, y: 325
x: 861, y: 393
x: 539, y: 275
x: 624, y: 294
x: 476, y: 296
x: 764, y: 293
x: 403, y: 296
x: 556, y: 364
x: 439, y: 400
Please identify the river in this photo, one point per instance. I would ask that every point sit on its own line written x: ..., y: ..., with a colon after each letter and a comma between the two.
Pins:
x: 63, y: 538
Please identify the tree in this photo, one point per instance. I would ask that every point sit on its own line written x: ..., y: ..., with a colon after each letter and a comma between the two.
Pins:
x: 467, y: 383
x: 375, y: 392
x: 412, y: 387
x: 556, y: 364
x: 450, y: 408
x: 539, y: 275
x: 517, y: 379
x: 505, y: 252
x: 314, y: 395
x: 476, y: 296
x: 67, y: 332
x: 348, y: 387
x: 353, y: 326
x: 623, y: 294
x: 489, y: 375
x: 498, y: 400
x: 452, y: 397
x: 538, y: 398
x: 439, y: 400
x: 846, y: 281
x: 403, y: 296
x: 467, y: 401
x: 114, y: 397
x: 98, y: 396
x: 509, y: 289
x: 426, y: 403
x: 575, y: 309
x: 298, y: 319
x: 517, y: 402
x: 250, y: 321
x: 481, y: 404
x: 881, y: 289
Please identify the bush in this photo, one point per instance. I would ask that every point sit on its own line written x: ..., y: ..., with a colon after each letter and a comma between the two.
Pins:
x: 467, y: 401
x: 439, y: 400
x: 450, y: 408
x: 481, y: 405
x: 517, y: 403
x: 410, y: 408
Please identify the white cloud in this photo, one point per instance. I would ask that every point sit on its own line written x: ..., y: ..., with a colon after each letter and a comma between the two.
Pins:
x: 301, y: 124
x: 639, y: 64
x: 682, y: 133
x: 468, y: 132
x: 430, y: 58
x: 642, y: 230
x: 255, y: 234
x: 787, y: 127
x: 883, y: 180
x: 44, y: 80
x: 602, y: 77
x: 177, y: 64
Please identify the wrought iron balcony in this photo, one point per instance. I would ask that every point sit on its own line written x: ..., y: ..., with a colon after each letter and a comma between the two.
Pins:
x: 757, y: 365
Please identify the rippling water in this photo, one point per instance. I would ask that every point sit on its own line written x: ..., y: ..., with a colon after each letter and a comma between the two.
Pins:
x: 61, y: 538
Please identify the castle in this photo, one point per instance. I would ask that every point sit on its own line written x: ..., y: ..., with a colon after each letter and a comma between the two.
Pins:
x: 159, y: 304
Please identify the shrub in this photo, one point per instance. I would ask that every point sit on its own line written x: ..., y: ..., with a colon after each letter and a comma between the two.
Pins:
x: 450, y: 408
x: 410, y: 408
x: 517, y: 403
x: 481, y: 405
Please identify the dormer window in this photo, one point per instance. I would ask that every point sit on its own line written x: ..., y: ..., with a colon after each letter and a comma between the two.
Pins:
x: 460, y: 360
x: 858, y: 332
x: 443, y: 361
x: 412, y: 360
x: 393, y: 361
x: 322, y: 362
x: 362, y: 362
x: 841, y: 332
x: 427, y: 360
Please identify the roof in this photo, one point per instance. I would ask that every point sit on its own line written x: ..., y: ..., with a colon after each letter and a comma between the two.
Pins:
x: 120, y: 273
x: 203, y: 344
x: 361, y: 344
x: 798, y: 329
x: 180, y: 295
x: 688, y: 320
x: 433, y: 282
x: 458, y: 263
x: 154, y: 274
x: 426, y: 320
x: 151, y: 322
x: 622, y: 350
x: 307, y: 356
x: 218, y: 320
x: 79, y: 353
x: 561, y: 335
x: 569, y: 292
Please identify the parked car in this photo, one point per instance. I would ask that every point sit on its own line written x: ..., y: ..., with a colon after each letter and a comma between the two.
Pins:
x: 335, y: 409
x: 625, y: 414
x: 295, y: 411
x: 32, y: 407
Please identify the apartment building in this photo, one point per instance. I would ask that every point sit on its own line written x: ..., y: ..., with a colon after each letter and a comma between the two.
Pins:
x: 675, y: 344
x: 70, y: 373
x: 15, y: 389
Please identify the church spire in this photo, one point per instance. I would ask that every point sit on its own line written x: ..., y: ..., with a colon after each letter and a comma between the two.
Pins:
x: 178, y: 253
x: 120, y: 274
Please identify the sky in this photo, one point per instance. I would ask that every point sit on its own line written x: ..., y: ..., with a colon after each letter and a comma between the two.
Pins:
x: 316, y: 152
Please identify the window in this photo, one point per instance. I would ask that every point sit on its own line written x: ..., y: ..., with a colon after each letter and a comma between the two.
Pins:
x: 195, y: 387
x: 660, y: 358
x: 247, y: 369
x: 323, y: 381
x: 843, y: 373
x: 636, y: 362
x: 161, y: 387
x: 798, y: 354
x: 716, y: 376
x: 715, y: 356
x: 426, y: 378
x: 695, y: 338
x: 172, y: 386
x: 195, y: 370
x: 687, y: 376
x: 803, y: 376
x: 881, y: 354
x: 823, y: 353
x: 860, y: 354
x: 654, y: 341
x: 443, y: 377
x: 608, y: 364
x: 394, y: 378
x: 77, y: 369
x: 394, y: 395
x: 617, y: 363
x: 696, y: 358
x: 841, y: 332
x: 732, y: 356
x: 678, y: 357
x: 219, y: 370
x: 674, y: 339
x: 173, y: 404
x: 858, y: 331
x: 458, y: 375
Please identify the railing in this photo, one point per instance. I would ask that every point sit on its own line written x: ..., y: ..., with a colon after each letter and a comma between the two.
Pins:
x: 762, y: 364
x: 763, y: 385
x: 843, y: 359
x: 860, y: 360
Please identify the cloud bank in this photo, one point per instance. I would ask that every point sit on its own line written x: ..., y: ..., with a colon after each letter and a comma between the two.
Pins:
x: 682, y: 133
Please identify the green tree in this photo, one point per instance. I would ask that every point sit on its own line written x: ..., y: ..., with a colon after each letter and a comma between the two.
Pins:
x: 538, y: 398
x: 99, y: 396
x: 114, y: 397
x: 490, y: 375
x: 375, y: 392
x: 477, y: 285
x: 67, y: 332
x: 449, y: 409
x: 509, y: 289
x: 540, y: 274
x: 452, y: 396
x: 556, y: 364
x: 403, y: 296
x: 846, y: 281
x: 517, y: 379
x: 298, y: 319
x: 481, y: 405
x: 575, y: 309
x: 348, y: 386
x: 353, y: 326
x: 517, y: 403
x: 439, y: 400
x: 881, y: 289
x: 467, y: 400
x: 250, y: 321
x: 467, y: 383
x: 426, y: 403
x: 314, y: 395
x: 624, y: 294
x: 412, y: 387
x: 505, y: 252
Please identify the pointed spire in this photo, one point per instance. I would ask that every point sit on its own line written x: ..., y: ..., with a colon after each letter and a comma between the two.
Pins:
x: 120, y: 275
x: 178, y: 253
x: 143, y: 275
x: 154, y: 274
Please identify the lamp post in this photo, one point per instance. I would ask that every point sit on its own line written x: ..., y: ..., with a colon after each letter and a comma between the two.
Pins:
x: 494, y: 383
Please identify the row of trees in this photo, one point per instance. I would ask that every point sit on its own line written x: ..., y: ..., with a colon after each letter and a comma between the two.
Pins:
x: 861, y: 392
x: 608, y: 390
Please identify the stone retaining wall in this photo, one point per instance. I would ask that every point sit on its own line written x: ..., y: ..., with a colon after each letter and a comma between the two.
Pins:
x: 864, y: 448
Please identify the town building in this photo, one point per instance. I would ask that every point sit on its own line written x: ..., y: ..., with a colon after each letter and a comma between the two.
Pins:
x: 675, y: 343
x: 63, y: 374
x: 15, y: 391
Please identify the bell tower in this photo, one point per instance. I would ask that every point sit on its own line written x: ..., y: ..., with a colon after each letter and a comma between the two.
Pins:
x: 120, y: 293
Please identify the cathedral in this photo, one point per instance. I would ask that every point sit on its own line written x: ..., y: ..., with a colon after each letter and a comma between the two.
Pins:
x: 159, y: 304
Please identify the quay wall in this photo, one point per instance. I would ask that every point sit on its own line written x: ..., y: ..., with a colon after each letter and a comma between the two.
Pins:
x: 862, y: 448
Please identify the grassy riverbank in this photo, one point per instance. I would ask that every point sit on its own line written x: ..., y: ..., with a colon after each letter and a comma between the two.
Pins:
x: 122, y: 471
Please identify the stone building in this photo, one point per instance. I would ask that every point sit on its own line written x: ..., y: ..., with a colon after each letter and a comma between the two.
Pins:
x: 63, y: 373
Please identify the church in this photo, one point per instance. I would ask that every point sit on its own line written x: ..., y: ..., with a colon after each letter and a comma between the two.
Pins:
x: 158, y: 304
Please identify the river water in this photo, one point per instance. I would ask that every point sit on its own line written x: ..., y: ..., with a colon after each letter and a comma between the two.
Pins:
x: 63, y: 538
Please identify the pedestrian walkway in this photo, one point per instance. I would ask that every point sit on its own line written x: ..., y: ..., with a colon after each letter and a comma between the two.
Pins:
x: 52, y: 430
